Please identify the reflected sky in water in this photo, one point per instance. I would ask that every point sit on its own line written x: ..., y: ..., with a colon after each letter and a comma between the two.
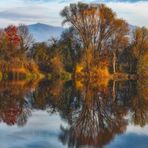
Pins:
x: 60, y: 115
x: 135, y: 137
x: 41, y: 130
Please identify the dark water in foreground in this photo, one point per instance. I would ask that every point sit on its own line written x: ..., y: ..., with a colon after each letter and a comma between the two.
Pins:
x: 54, y: 114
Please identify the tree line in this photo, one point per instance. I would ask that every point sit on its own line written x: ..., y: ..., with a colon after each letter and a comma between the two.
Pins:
x: 96, y: 43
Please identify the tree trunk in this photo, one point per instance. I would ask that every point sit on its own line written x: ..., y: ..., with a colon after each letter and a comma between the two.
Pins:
x: 114, y: 90
x: 89, y: 58
x: 114, y: 62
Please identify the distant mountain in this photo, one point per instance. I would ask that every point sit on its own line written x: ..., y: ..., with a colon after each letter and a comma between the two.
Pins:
x: 132, y: 28
x: 43, y: 32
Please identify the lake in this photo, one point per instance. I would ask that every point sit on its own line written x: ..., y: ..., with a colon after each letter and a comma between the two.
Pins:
x: 58, y: 114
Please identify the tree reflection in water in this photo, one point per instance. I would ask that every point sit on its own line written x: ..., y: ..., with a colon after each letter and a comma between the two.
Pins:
x: 97, y: 121
x: 95, y: 113
x: 14, y: 108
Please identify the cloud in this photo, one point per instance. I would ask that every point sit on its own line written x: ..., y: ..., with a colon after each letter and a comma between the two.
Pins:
x: 128, y: 0
x: 29, y: 14
x: 47, y: 11
x: 23, y: 12
x: 69, y: 1
x: 134, y: 13
x: 41, y: 130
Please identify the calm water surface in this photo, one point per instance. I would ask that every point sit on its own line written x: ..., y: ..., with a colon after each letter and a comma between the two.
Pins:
x: 57, y: 114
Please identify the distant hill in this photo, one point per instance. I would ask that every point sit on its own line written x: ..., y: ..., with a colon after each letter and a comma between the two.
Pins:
x: 43, y: 32
x: 132, y: 28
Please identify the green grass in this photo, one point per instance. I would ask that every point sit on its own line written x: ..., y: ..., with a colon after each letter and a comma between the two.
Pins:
x: 49, y: 76
x: 66, y: 76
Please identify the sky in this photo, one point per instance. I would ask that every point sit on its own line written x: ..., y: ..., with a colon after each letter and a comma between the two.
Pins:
x: 43, y: 129
x: 47, y: 11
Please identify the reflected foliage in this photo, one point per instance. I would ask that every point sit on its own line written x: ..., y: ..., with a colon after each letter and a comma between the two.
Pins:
x: 95, y: 113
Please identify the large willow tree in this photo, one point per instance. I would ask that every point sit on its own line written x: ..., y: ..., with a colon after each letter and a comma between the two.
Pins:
x: 98, y: 29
